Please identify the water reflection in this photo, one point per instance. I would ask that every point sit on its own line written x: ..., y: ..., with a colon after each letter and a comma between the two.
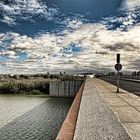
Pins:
x: 41, y: 123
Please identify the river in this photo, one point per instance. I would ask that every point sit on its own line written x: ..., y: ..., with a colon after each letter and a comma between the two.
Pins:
x: 32, y: 118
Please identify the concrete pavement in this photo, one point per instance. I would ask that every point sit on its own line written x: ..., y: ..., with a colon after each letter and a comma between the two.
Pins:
x: 107, y: 115
x: 96, y: 120
x: 125, y: 105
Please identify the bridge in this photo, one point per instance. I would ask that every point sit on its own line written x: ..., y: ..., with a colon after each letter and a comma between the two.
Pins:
x: 99, y: 113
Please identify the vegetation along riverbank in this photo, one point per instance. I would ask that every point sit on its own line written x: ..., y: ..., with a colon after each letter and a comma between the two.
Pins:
x: 31, y: 84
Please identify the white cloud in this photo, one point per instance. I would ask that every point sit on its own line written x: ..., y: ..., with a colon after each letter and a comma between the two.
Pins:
x: 128, y: 16
x: 10, y: 21
x: 98, y: 50
x: 50, y: 52
x: 25, y: 9
x: 130, y: 4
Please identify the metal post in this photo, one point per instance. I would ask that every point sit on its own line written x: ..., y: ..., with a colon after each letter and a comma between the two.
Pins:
x: 118, y: 81
x: 118, y: 67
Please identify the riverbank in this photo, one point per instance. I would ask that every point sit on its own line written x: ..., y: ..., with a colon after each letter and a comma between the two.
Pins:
x: 31, y: 84
x: 27, y: 95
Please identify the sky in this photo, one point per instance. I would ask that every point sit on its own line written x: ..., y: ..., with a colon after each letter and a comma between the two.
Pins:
x: 40, y: 36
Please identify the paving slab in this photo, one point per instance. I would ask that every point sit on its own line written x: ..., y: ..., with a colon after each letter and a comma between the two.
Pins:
x: 109, y: 95
x: 133, y: 102
x: 138, y: 108
x: 116, y: 102
x: 133, y: 129
x: 127, y: 96
x: 127, y: 114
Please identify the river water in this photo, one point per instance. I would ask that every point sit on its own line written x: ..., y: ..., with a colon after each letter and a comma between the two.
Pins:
x: 31, y: 118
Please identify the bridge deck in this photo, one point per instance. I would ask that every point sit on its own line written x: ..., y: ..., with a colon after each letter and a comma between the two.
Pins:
x: 107, y: 115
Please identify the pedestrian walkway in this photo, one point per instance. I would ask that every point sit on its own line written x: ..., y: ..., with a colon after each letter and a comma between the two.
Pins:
x: 125, y: 105
x: 107, y: 115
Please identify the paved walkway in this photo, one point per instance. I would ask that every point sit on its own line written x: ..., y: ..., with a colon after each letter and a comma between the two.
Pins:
x: 107, y: 115
x: 125, y: 105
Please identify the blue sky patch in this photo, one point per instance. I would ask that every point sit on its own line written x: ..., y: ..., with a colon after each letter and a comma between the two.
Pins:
x: 73, y: 49
x: 3, y: 58
x: 22, y: 56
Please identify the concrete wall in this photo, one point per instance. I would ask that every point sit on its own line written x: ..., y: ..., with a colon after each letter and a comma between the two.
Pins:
x: 64, y: 88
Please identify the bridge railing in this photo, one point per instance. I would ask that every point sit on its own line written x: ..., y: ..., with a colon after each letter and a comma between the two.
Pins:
x: 68, y: 127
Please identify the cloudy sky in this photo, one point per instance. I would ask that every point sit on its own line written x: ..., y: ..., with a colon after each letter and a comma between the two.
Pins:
x: 37, y: 36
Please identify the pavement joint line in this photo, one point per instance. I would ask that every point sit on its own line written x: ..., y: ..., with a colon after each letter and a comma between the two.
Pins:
x: 131, y: 122
x: 123, y: 99
x: 118, y: 106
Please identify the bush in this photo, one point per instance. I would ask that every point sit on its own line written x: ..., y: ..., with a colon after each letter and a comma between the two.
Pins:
x: 32, y: 84
x: 36, y: 92
x: 36, y: 87
x: 8, y: 87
